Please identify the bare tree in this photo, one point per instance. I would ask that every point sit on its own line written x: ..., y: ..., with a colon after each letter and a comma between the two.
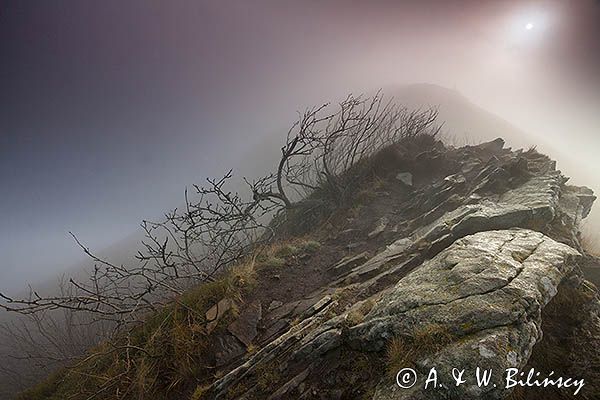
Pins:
x: 217, y: 227
x: 319, y: 168
x: 322, y: 148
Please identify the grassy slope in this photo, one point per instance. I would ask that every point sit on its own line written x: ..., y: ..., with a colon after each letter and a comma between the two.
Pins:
x: 170, y: 351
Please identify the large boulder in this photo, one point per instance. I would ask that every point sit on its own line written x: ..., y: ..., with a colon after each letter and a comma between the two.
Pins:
x: 486, y: 293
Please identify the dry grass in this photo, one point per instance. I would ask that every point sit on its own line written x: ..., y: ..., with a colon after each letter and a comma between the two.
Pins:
x: 367, y: 193
x: 279, y: 254
x: 200, y: 393
x: 310, y: 246
x: 171, y: 348
x: 267, y: 376
x: 403, y: 352
x: 357, y: 314
x: 159, y: 357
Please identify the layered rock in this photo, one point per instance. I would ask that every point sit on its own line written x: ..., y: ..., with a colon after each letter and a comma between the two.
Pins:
x: 482, y: 252
x: 486, y: 292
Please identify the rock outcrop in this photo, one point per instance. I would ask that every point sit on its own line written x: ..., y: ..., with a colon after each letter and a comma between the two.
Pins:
x: 486, y: 292
x: 462, y: 280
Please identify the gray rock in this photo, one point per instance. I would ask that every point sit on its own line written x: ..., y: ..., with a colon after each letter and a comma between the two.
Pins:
x: 355, y: 245
x: 486, y: 291
x: 315, y: 305
x: 499, y: 266
x: 575, y: 204
x: 244, y: 327
x: 214, y: 314
x: 275, y: 304
x: 284, y: 310
x: 381, y: 225
x: 275, y: 349
x: 227, y: 348
x: 392, y: 252
x: 494, y: 146
x: 532, y: 205
x: 405, y: 177
x: 275, y: 329
x: 346, y: 233
x: 456, y: 179
x: 284, y: 391
x: 351, y: 261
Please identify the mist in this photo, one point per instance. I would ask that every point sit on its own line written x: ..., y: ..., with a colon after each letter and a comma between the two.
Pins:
x: 109, y: 110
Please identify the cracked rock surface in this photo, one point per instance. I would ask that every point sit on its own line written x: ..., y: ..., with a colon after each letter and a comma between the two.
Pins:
x: 487, y: 292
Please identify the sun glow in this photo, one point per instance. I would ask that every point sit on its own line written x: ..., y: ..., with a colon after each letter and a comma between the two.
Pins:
x: 528, y: 27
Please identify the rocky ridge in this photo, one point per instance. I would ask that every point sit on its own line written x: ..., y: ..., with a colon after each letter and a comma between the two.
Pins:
x: 466, y: 263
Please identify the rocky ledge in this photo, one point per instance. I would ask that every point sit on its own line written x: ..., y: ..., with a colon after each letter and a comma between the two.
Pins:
x: 469, y: 263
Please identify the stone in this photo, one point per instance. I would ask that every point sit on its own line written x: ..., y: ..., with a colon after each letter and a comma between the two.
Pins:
x: 284, y: 391
x: 486, y: 291
x: 284, y: 310
x: 379, y: 228
x: 227, y: 348
x: 405, y: 177
x: 531, y: 205
x: 245, y: 326
x: 311, y: 306
x: 494, y: 146
x: 275, y: 329
x: 274, y: 304
x: 391, y: 252
x: 351, y: 261
x: 214, y: 314
x: 274, y: 349
x: 345, y: 234
x: 354, y: 245
x: 456, y: 179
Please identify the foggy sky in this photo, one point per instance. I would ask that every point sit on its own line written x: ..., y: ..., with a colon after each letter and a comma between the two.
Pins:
x: 109, y: 109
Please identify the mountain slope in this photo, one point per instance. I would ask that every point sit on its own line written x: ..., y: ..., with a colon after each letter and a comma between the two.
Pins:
x: 486, y: 258
x: 448, y: 257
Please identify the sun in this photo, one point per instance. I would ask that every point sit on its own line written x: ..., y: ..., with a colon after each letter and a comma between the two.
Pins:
x: 529, y: 26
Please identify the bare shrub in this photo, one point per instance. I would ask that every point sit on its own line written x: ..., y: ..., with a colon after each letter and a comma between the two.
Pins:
x: 318, y: 169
